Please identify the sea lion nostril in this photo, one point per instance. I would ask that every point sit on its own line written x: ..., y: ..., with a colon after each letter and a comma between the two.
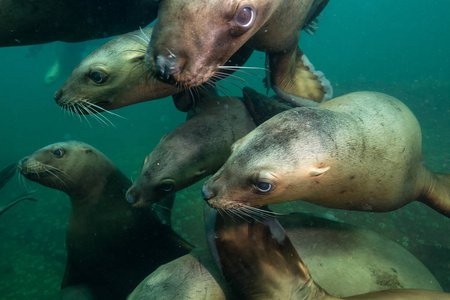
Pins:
x: 207, y: 193
x: 166, y: 65
x: 130, y: 198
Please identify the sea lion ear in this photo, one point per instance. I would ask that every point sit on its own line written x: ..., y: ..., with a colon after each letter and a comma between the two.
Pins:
x: 318, y: 171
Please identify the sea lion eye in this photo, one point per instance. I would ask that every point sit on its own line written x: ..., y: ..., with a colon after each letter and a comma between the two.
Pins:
x: 263, y: 186
x: 97, y: 77
x: 245, y: 16
x: 166, y: 187
x: 58, y: 153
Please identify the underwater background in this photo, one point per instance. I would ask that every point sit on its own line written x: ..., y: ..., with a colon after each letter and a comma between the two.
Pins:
x: 398, y: 47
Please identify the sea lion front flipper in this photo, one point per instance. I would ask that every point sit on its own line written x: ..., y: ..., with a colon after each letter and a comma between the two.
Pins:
x: 7, y: 173
x: 261, y: 107
x: 294, y: 79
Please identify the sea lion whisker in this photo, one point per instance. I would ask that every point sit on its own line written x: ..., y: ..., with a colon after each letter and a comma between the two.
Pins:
x: 230, y: 82
x: 262, y: 211
x: 53, y: 175
x: 84, y: 115
x: 75, y: 110
x: 231, y: 76
x: 242, y: 67
x: 59, y: 171
x: 142, y: 39
x: 222, y: 88
x: 247, y: 72
x: 106, y: 111
x: 100, y: 117
x: 144, y: 34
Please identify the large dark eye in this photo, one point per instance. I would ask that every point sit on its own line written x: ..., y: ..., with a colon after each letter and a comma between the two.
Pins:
x: 263, y: 186
x: 58, y: 153
x: 166, y: 187
x: 245, y: 16
x: 97, y: 77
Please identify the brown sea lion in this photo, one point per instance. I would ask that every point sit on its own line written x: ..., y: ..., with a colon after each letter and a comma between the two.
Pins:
x: 25, y: 22
x: 194, y: 150
x: 193, y: 40
x: 361, y: 151
x: 111, y: 246
x: 344, y: 259
x: 259, y: 261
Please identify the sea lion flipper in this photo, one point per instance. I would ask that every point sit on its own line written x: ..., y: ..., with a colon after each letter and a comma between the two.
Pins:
x: 7, y: 173
x: 294, y: 79
x: 261, y: 107
x: 436, y: 191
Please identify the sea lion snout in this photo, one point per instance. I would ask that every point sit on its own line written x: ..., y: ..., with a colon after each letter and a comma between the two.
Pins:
x: 166, y: 66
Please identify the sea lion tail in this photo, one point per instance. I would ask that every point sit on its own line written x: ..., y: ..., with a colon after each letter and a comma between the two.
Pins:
x: 436, y: 192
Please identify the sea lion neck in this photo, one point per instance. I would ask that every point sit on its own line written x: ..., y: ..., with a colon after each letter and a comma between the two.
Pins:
x: 102, y: 193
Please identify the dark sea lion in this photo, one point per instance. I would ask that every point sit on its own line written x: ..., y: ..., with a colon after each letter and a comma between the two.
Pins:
x: 194, y: 150
x: 25, y: 22
x: 111, y: 246
x: 259, y: 261
x: 344, y: 259
x: 361, y: 151
x: 113, y: 76
x: 7, y: 173
x: 192, y: 41
x: 22, y: 197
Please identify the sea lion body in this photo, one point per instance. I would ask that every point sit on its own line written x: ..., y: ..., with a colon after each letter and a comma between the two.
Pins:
x: 360, y: 151
x: 259, y: 261
x: 24, y: 22
x: 194, y: 150
x: 190, y: 45
x: 112, y: 76
x: 344, y: 259
x: 111, y: 246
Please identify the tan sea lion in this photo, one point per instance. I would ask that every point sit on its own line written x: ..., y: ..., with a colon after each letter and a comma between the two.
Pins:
x: 190, y: 45
x: 360, y: 151
x: 114, y: 76
x: 344, y: 259
x: 259, y: 261
x: 111, y: 246
x: 194, y: 150
x: 24, y: 22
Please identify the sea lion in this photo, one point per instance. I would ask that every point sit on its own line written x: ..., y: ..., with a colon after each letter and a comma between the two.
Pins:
x: 190, y: 45
x: 18, y: 199
x: 259, y: 261
x: 111, y: 246
x: 24, y: 22
x: 360, y: 151
x: 195, y: 149
x: 114, y: 76
x: 344, y: 259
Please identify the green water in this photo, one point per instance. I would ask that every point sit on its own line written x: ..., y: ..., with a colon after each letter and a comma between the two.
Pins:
x: 397, y: 47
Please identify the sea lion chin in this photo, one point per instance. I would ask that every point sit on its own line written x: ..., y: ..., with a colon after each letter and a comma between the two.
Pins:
x: 360, y: 151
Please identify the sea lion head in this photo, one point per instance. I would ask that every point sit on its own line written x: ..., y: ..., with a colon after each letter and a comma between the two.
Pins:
x: 111, y: 77
x: 73, y: 167
x: 193, y: 39
x: 282, y: 158
x: 176, y: 163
